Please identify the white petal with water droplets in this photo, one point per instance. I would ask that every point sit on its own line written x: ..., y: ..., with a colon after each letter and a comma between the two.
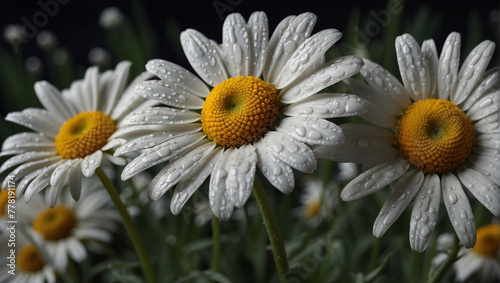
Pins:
x: 488, y: 124
x: 311, y: 130
x: 41, y: 181
x: 160, y: 153
x: 193, y: 180
x: 430, y: 54
x: 24, y: 158
x: 203, y: 57
x: 448, y: 65
x: 236, y: 45
x: 413, y: 67
x: 175, y: 171
x: 278, y: 173
x: 482, y: 188
x: 178, y: 76
x: 168, y: 94
x: 488, y: 164
x: 385, y: 83
x: 473, y: 70
x: 26, y: 168
x: 404, y: 191
x: 290, y: 151
x: 61, y: 171
x: 161, y: 115
x: 112, y: 143
x: 258, y: 28
x: 54, y: 191
x: 488, y: 140
x: 91, y: 88
x: 486, y: 105
x: 425, y: 213
x: 320, y: 78
x: 287, y: 37
x: 459, y: 209
x: 377, y: 116
x: 306, y: 55
x: 327, y: 105
x: 39, y: 120
x: 75, y: 181
x: 219, y: 195
x: 486, y: 86
x: 53, y: 101
x: 91, y: 162
x: 374, y: 179
x: 241, y: 174
x: 368, y: 93
x: 112, y: 86
x: 132, y: 132
x: 27, y: 142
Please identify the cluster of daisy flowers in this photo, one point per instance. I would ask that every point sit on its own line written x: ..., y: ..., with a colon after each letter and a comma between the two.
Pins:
x: 260, y: 106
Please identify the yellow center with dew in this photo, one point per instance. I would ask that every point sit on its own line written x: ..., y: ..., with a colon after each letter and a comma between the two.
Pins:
x: 55, y: 223
x: 435, y: 136
x: 239, y: 111
x: 30, y: 260
x: 488, y: 241
x: 83, y: 134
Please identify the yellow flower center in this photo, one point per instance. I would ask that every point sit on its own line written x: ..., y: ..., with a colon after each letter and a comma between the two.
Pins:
x: 83, y: 134
x: 55, y: 223
x: 239, y: 111
x: 488, y: 240
x: 30, y: 260
x: 435, y: 135
x: 312, y: 209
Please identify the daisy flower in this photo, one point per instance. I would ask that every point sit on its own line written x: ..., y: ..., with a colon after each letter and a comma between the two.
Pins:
x: 260, y: 107
x: 436, y: 134
x: 483, y: 259
x: 71, y: 134
x: 317, y: 202
x: 30, y: 265
x: 65, y: 227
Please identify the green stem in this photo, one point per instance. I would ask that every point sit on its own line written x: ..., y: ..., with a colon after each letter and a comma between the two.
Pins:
x: 129, y: 225
x: 280, y: 258
x: 216, y: 244
x: 443, y: 268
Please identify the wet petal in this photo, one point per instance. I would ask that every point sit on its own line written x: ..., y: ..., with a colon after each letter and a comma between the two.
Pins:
x: 161, y: 115
x: 236, y: 44
x: 219, y: 195
x: 486, y: 86
x: 241, y: 174
x: 278, y: 173
x: 368, y: 93
x: 482, y: 188
x: 311, y: 130
x: 91, y: 162
x: 53, y: 101
x: 430, y: 54
x: 39, y: 120
x: 24, y: 158
x: 327, y: 105
x: 488, y: 104
x: 449, y: 61
x: 290, y: 151
x: 168, y: 94
x: 259, y: 31
x: 41, y: 181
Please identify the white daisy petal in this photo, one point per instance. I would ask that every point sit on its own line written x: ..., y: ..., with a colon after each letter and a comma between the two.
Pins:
x: 241, y: 174
x: 489, y: 140
x: 132, y: 132
x: 168, y: 94
x: 307, y: 54
x: 91, y: 82
x: 488, y: 124
x: 111, y: 91
x: 374, y: 179
x: 61, y: 171
x: 112, y: 143
x: 321, y: 78
x: 488, y: 104
x: 76, y: 250
x: 311, y: 130
x: 26, y: 168
x: 488, y: 165
x: 177, y: 170
x: 160, y: 153
x: 288, y: 35
x: 161, y: 115
x: 278, y: 173
x: 327, y: 105
x: 366, y: 92
x: 39, y: 120
x: 24, y: 158
x: 486, y: 85
x: 430, y: 54
x: 41, y: 181
x: 219, y: 195
x: 404, y: 191
x: 91, y: 162
x: 465, y: 271
x: 413, y: 66
x: 259, y: 31
x: 130, y: 101
x: 449, y: 61
x: 290, y: 151
x: 27, y: 178
x: 459, y: 209
x: 54, y: 191
x: 192, y: 181
x: 155, y: 138
x: 377, y: 116
x: 75, y: 180
x: 236, y: 45
x: 203, y: 57
x: 472, y: 70
x: 385, y: 83
x: 53, y: 101
x: 482, y: 188
x: 425, y: 213
x: 172, y: 73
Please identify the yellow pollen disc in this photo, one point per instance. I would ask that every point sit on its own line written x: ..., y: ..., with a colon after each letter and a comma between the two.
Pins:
x: 83, y: 134
x: 30, y: 260
x: 488, y: 240
x: 239, y: 111
x: 435, y: 135
x: 55, y: 223
x: 312, y: 209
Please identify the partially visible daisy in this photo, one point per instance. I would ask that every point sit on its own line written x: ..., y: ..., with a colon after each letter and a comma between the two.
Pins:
x: 110, y: 17
x: 317, y: 202
x: 67, y: 226
x: 435, y: 134
x: 30, y: 264
x: 260, y: 107
x: 71, y: 135
x: 483, y: 259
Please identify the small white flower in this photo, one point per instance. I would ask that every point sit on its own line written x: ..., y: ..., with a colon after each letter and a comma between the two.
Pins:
x: 13, y: 33
x: 99, y: 56
x: 317, y: 202
x: 260, y: 108
x: 46, y: 40
x: 110, y: 17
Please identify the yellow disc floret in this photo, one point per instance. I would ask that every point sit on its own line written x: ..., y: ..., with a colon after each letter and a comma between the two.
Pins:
x: 55, y: 223
x: 30, y: 260
x: 488, y: 240
x: 83, y: 134
x: 312, y: 208
x: 435, y: 135
x: 239, y: 111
